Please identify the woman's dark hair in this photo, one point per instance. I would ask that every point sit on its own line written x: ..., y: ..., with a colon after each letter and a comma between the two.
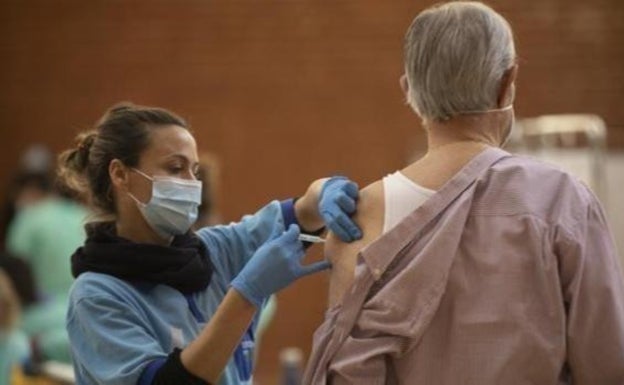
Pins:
x: 122, y: 133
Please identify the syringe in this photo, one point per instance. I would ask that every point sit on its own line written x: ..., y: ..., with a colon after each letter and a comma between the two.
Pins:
x: 311, y: 238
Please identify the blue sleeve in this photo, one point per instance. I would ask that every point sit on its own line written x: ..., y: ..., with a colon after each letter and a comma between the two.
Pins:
x: 233, y: 245
x: 110, y: 345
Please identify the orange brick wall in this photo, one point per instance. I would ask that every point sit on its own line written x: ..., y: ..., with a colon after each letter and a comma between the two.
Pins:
x: 282, y: 91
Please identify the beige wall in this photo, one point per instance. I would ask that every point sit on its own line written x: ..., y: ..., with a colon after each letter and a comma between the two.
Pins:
x: 283, y: 91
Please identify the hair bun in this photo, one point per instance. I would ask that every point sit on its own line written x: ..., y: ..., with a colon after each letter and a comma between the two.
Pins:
x: 85, y: 142
x: 73, y: 163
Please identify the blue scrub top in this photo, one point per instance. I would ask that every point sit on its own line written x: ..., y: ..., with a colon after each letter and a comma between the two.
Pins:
x: 119, y: 330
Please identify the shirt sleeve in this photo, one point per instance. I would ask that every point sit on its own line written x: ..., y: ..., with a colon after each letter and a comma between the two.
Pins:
x: 378, y: 335
x: 233, y: 245
x: 364, y: 355
x: 593, y: 292
x: 109, y: 343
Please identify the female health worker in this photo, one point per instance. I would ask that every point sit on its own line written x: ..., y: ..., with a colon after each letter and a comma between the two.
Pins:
x: 153, y: 302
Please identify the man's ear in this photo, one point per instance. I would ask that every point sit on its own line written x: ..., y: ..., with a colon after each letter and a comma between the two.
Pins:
x: 506, y: 93
x: 119, y: 174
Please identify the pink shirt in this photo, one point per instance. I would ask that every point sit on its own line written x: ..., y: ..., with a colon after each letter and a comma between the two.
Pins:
x: 507, y: 275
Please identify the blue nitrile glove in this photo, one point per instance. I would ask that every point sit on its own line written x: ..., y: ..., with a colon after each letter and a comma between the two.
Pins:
x: 337, y: 204
x: 275, y: 265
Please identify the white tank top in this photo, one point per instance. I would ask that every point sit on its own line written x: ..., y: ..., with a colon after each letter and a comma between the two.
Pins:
x: 402, y: 196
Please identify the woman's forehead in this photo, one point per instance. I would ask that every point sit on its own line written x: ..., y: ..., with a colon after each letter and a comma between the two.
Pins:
x: 171, y: 141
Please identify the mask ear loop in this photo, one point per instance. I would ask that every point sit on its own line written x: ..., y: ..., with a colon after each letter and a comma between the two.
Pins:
x: 506, y: 108
x: 136, y: 200
x: 142, y: 173
x: 145, y: 176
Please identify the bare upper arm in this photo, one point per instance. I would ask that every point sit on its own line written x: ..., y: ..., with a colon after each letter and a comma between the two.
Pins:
x: 343, y: 256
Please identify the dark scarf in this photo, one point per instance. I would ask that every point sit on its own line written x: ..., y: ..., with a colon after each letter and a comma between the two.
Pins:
x: 184, y: 265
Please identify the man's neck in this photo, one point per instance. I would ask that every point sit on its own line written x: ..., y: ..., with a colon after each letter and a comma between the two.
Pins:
x: 485, y: 129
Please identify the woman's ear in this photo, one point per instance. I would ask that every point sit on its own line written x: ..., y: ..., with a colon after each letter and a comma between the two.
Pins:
x: 506, y: 94
x: 118, y: 173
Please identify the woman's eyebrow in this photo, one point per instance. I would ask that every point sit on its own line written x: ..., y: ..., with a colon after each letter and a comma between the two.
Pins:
x: 179, y: 156
x: 194, y: 164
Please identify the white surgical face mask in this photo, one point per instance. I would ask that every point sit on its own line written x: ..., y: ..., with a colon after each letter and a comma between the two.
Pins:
x: 173, y: 208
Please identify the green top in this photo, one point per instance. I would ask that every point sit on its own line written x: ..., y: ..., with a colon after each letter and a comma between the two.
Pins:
x: 46, y: 234
x: 45, y: 322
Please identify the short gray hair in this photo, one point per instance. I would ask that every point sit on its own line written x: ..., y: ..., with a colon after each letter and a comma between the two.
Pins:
x: 455, y: 57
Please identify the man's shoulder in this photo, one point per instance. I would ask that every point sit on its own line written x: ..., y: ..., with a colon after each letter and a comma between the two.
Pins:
x: 371, y: 199
x: 539, y: 175
x: 530, y: 167
x: 521, y: 184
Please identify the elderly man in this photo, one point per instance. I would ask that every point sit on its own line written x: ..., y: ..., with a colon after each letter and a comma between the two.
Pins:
x: 476, y: 266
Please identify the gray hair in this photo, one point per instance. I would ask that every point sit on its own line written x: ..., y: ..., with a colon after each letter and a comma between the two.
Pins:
x: 455, y: 57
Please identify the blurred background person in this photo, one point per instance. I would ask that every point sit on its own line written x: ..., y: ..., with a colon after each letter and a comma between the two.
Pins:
x: 209, y: 172
x: 13, y: 344
x: 30, y: 183
x: 25, y: 188
x: 44, y: 233
x: 44, y: 226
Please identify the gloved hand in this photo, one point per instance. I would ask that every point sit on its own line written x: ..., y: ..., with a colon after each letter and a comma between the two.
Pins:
x: 337, y: 204
x: 275, y: 265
